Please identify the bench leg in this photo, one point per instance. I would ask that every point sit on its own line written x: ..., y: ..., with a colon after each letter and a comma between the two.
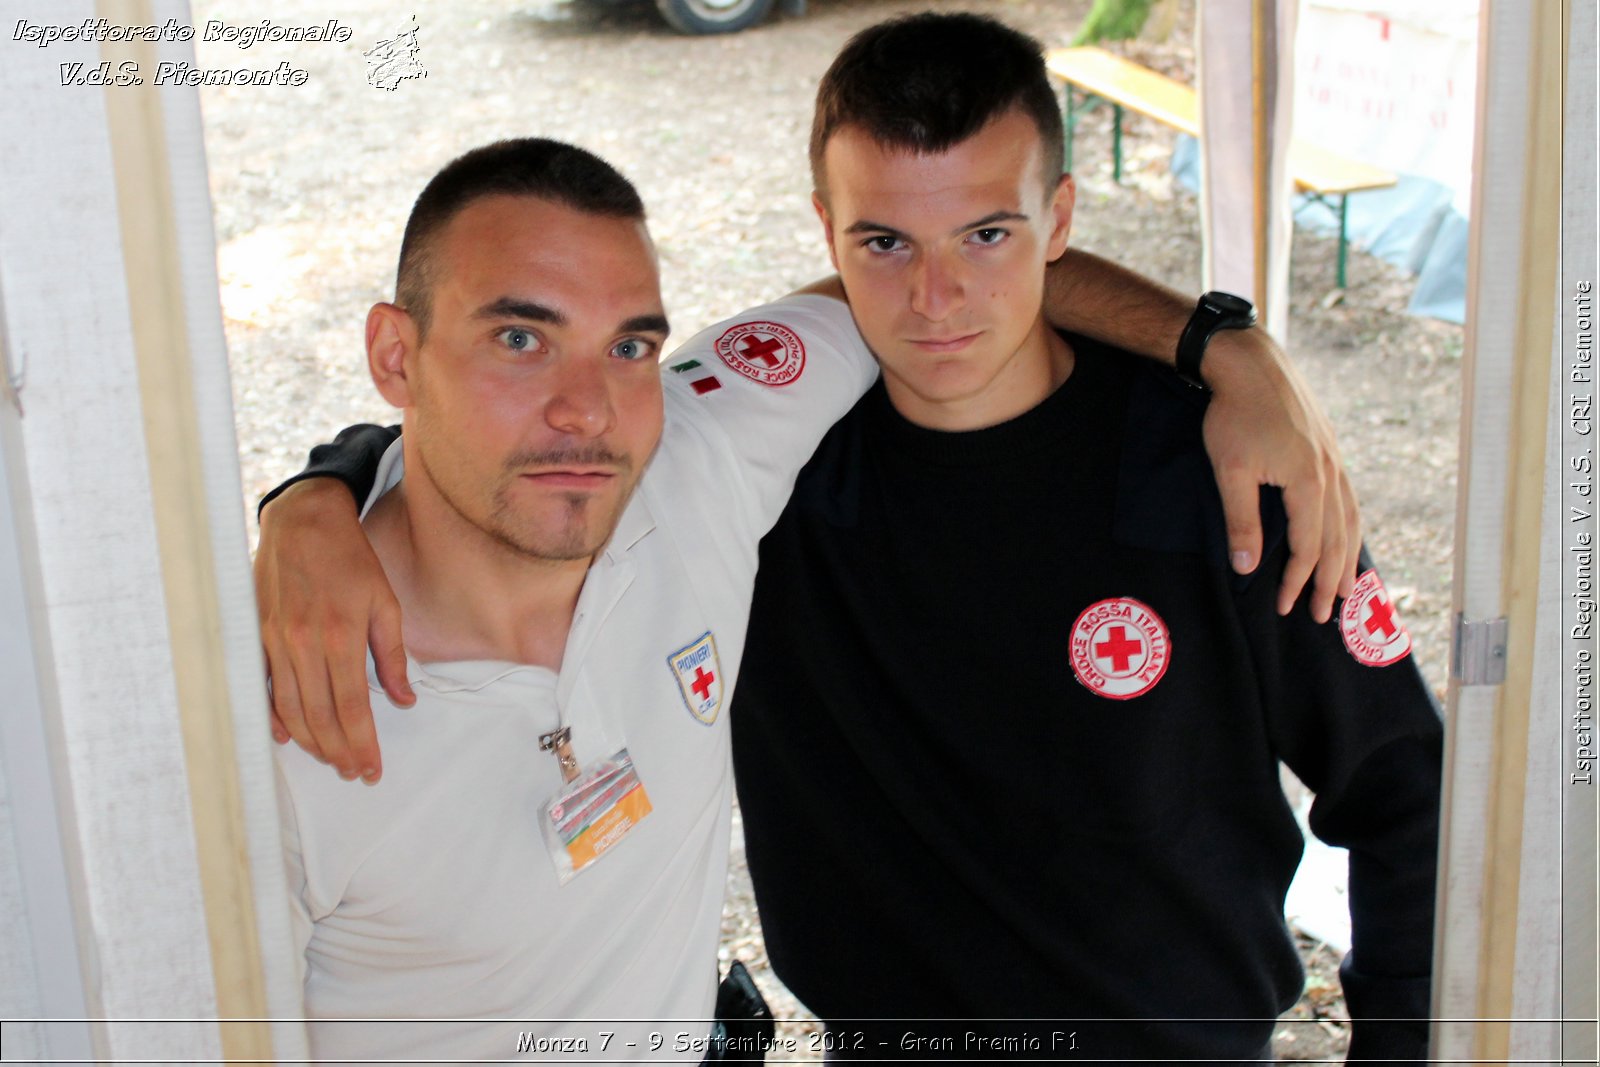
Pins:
x: 1344, y: 199
x: 1116, y: 143
x: 1072, y: 128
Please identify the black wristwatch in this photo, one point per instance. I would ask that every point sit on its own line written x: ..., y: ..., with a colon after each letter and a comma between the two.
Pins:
x: 1216, y: 311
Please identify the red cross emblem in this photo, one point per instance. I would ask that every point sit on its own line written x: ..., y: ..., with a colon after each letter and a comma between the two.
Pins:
x: 769, y: 353
x: 699, y: 676
x: 1380, y: 616
x: 1120, y: 648
x: 763, y: 350
x: 1372, y: 632
x: 702, y: 683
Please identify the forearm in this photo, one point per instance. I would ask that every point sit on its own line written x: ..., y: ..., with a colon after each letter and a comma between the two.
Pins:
x: 1095, y: 297
x: 1098, y: 298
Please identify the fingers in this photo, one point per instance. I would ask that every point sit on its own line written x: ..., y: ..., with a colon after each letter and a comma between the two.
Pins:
x: 353, y: 714
x: 1241, y: 506
x: 1303, y: 499
x: 1352, y: 547
x: 288, y: 714
x: 280, y: 733
x: 1330, y: 574
x: 318, y: 704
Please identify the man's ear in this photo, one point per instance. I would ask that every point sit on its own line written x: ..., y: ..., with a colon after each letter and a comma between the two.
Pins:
x: 391, y: 352
x: 827, y: 227
x: 1061, y: 204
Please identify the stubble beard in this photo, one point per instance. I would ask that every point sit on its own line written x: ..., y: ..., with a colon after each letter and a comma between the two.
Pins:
x: 583, y: 525
x: 578, y: 532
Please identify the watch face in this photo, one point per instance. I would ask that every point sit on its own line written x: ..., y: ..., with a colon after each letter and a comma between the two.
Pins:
x: 1228, y: 304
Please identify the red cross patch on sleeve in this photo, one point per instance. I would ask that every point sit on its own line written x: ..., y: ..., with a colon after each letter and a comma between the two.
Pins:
x: 1372, y: 631
x: 765, y: 352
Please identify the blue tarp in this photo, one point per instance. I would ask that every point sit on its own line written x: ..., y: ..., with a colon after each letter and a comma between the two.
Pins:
x: 1413, y: 225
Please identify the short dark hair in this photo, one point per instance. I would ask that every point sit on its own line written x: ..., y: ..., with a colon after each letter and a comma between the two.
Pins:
x: 523, y: 166
x: 928, y: 82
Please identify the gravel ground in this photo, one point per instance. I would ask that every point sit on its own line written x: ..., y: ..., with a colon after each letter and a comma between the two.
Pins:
x: 312, y: 185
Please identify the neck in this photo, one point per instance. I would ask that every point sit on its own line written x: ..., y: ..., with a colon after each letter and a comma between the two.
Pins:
x: 1033, y: 372
x: 465, y: 595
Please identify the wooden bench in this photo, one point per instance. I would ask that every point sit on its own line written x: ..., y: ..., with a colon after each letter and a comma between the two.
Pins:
x: 1093, y: 76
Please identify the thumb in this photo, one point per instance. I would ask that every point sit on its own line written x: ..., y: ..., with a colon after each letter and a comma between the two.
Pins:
x: 389, y: 652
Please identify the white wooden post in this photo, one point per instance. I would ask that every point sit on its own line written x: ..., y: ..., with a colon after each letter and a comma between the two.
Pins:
x: 140, y: 622
x: 1503, y: 891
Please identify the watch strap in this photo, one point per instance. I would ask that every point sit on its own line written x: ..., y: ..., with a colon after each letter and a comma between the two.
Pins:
x: 1214, y: 311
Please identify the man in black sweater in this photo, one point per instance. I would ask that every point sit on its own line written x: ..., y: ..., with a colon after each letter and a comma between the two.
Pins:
x: 1008, y: 731
x: 1009, y: 720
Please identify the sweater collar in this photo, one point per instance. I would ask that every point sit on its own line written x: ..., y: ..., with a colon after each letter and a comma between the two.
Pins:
x: 1041, y: 425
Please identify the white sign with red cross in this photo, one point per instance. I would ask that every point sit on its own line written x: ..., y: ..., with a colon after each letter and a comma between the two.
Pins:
x: 699, y: 675
x: 1120, y: 648
x: 1372, y: 631
x: 765, y: 352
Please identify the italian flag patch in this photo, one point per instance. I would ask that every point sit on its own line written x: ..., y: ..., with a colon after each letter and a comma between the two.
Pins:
x: 700, y: 380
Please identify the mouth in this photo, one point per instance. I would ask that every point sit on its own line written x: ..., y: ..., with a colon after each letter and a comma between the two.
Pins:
x: 579, y: 478
x: 951, y: 343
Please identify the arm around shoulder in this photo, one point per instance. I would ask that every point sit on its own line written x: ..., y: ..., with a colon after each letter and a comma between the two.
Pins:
x: 322, y: 597
x: 1264, y: 426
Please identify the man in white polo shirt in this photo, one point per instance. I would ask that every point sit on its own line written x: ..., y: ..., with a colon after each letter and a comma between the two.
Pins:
x: 576, y: 582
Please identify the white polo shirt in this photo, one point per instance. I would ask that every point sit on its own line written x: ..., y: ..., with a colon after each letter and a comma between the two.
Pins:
x: 433, y: 894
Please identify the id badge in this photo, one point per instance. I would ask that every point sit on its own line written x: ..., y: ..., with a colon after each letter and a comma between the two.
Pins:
x: 591, y: 813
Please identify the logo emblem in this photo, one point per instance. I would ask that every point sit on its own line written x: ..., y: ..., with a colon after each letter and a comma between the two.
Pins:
x: 765, y: 352
x: 1120, y: 648
x: 699, y: 675
x: 1372, y: 632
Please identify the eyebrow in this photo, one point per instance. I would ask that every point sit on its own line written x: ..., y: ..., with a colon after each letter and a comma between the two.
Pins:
x: 868, y: 226
x: 645, y: 324
x: 510, y: 307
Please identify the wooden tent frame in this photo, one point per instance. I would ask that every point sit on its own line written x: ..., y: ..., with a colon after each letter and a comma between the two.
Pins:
x: 120, y: 539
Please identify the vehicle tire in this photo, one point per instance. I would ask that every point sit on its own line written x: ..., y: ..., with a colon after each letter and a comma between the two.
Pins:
x: 713, y: 16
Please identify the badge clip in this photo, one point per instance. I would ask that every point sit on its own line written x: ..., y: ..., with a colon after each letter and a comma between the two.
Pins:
x: 560, y: 742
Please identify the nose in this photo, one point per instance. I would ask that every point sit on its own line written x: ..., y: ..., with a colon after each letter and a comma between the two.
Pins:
x: 937, y: 287
x: 580, y: 399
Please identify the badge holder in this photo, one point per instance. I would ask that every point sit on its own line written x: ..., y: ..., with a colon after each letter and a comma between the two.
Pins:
x: 593, y: 809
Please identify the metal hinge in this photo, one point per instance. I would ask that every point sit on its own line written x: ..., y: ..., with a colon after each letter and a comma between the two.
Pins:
x: 1478, y: 656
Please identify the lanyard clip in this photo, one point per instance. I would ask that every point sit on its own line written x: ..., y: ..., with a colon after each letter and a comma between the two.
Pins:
x: 560, y: 742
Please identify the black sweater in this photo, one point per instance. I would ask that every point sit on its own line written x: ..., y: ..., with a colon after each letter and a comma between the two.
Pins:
x: 942, y: 821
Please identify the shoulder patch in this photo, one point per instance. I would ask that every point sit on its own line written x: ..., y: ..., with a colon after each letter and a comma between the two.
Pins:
x: 768, y: 353
x: 1372, y: 632
x: 1120, y: 648
x: 700, y: 378
x: 699, y: 675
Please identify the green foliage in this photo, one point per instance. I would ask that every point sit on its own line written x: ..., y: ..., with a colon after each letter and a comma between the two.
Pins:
x: 1113, y: 20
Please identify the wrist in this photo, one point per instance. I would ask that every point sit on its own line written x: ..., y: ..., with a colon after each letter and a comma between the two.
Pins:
x: 1236, y: 357
x: 308, y: 499
x: 1216, y: 311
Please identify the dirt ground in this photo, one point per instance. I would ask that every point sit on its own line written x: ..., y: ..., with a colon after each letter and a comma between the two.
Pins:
x: 312, y: 185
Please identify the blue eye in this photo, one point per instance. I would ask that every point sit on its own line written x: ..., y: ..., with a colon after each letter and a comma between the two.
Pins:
x: 518, y: 339
x: 633, y: 348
